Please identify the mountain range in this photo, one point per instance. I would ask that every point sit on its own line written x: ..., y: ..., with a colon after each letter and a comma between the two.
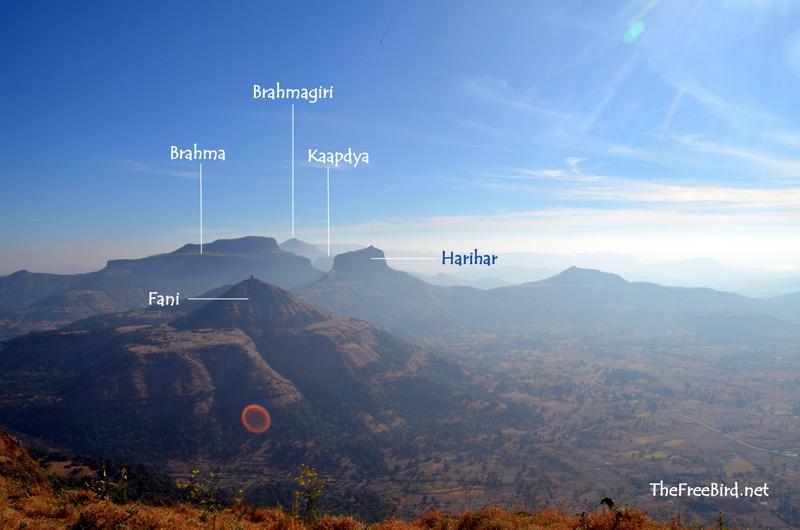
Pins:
x: 35, y: 301
x: 361, y: 285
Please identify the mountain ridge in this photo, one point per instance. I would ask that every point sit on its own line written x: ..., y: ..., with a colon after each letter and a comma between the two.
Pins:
x: 406, y: 305
x: 124, y: 284
x: 361, y: 287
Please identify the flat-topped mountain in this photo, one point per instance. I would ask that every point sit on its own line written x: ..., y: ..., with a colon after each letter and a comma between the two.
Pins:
x: 125, y: 284
x: 243, y: 246
x: 361, y: 287
x: 370, y: 261
x: 223, y: 261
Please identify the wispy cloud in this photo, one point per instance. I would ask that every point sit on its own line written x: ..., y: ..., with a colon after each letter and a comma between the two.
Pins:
x: 647, y: 233
x: 572, y: 185
x: 768, y: 162
x: 573, y: 162
x: 191, y: 173
x: 143, y: 167
x: 676, y: 101
x: 610, y: 90
x: 477, y: 125
x: 789, y: 139
x: 575, y: 224
x: 499, y: 91
x: 570, y: 173
x: 693, y: 196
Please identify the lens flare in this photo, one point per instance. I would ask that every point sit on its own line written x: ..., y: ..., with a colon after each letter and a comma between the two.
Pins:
x: 255, y: 419
x: 634, y: 32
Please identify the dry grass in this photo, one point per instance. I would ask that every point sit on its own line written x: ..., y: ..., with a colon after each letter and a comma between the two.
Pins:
x: 28, y: 502
x: 43, y: 511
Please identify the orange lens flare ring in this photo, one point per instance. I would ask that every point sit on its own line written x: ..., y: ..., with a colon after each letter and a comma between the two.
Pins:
x: 255, y: 419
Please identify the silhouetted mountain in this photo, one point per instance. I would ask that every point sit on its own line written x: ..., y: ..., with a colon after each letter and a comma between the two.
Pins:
x: 362, y: 287
x: 244, y: 246
x: 368, y: 261
x: 187, y: 271
x: 584, y: 278
x: 585, y: 297
x: 301, y: 248
x: 124, y: 284
x: 177, y: 391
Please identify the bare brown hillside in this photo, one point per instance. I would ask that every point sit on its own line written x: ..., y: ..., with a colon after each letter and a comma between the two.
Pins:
x: 28, y: 501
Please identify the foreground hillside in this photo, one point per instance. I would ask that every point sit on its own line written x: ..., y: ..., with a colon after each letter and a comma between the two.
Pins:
x: 28, y: 500
x: 261, y: 382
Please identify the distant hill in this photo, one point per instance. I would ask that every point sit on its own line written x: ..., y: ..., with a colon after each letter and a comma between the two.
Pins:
x: 124, y: 284
x: 21, y: 288
x: 588, y: 297
x: 177, y: 391
x: 362, y: 287
x: 359, y: 286
x: 317, y: 253
x: 57, y: 310
x: 301, y: 248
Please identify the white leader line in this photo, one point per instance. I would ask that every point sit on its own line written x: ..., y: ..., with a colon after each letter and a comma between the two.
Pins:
x: 384, y: 259
x: 201, y: 207
x: 328, y: 190
x: 292, y: 169
x: 213, y: 299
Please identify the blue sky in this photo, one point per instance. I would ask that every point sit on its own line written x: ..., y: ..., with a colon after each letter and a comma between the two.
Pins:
x: 513, y: 126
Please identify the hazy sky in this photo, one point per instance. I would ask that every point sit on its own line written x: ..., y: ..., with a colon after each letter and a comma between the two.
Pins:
x: 664, y: 129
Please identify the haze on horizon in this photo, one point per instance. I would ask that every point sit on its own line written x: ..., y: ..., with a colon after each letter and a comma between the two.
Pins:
x: 548, y: 128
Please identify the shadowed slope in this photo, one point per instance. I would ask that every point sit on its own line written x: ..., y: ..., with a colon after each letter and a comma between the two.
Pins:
x: 176, y: 391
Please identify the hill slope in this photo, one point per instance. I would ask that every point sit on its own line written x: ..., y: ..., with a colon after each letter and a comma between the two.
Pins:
x: 177, y: 392
x: 28, y: 501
